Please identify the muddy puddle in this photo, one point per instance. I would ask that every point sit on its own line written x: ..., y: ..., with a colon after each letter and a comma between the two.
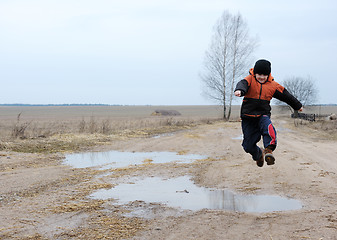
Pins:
x: 178, y: 192
x: 182, y: 193
x: 116, y: 159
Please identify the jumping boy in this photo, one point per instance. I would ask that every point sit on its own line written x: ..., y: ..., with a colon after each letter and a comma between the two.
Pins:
x: 258, y: 88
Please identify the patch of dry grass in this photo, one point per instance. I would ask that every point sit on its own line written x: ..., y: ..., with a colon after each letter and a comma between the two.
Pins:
x: 80, y: 206
x: 322, y: 128
x: 101, y: 223
x: 51, y: 137
x: 57, y: 143
x: 104, y: 226
x: 36, y: 122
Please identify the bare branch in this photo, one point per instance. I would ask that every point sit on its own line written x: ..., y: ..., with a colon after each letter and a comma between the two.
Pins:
x: 304, y: 89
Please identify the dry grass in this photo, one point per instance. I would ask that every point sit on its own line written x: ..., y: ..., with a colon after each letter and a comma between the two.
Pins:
x: 322, y: 128
x: 61, y: 129
x: 43, y: 122
x: 110, y: 227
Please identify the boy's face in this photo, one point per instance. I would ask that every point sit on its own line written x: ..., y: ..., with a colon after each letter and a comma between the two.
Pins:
x: 261, y: 78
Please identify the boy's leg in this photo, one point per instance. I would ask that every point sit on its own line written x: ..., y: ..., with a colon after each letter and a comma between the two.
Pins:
x: 269, y: 138
x: 268, y: 132
x: 251, y: 136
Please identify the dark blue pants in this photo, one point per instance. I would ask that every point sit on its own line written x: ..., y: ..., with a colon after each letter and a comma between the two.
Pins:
x: 253, y: 129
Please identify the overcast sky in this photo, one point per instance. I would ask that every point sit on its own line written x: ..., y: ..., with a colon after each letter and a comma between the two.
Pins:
x: 138, y: 52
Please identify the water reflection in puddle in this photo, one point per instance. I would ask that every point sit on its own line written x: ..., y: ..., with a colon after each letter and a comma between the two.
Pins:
x: 238, y: 137
x: 116, y: 159
x: 163, y: 135
x: 283, y: 129
x: 182, y: 192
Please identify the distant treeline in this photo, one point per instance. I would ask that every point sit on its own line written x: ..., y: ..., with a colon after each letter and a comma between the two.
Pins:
x: 42, y: 105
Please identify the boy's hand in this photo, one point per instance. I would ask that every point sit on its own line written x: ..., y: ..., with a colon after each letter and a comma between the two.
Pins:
x: 301, y: 109
x: 237, y: 93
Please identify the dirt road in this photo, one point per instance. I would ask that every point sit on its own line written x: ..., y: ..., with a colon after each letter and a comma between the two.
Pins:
x: 42, y: 198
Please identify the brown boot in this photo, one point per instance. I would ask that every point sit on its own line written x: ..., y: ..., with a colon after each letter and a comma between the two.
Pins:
x: 260, y: 161
x: 269, y: 156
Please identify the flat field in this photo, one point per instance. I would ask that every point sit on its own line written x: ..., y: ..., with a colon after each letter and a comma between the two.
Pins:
x: 42, y: 197
x: 64, y: 113
x: 101, y: 112
x: 48, y: 120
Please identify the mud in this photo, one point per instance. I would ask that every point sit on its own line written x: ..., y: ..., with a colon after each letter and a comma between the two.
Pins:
x: 44, y: 198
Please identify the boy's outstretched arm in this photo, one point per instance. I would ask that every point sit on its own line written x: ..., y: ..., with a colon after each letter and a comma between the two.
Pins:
x: 241, y: 88
x: 288, y: 98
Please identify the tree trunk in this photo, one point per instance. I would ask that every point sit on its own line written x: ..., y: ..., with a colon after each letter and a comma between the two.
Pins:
x: 224, y: 111
x: 229, y: 111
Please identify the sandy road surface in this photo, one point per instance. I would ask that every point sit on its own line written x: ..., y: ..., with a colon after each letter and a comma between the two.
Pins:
x: 41, y: 198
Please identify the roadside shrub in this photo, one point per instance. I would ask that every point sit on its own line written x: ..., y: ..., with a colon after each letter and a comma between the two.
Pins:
x: 105, y: 127
x: 18, y: 130
x: 81, y: 126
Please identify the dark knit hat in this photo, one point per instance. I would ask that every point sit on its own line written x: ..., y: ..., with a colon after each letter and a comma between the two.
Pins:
x: 262, y: 66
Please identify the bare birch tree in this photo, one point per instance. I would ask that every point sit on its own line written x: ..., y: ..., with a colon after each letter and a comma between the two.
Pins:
x: 304, y: 89
x: 227, y: 59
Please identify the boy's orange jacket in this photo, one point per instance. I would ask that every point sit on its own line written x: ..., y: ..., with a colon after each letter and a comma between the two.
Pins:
x: 257, y: 96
